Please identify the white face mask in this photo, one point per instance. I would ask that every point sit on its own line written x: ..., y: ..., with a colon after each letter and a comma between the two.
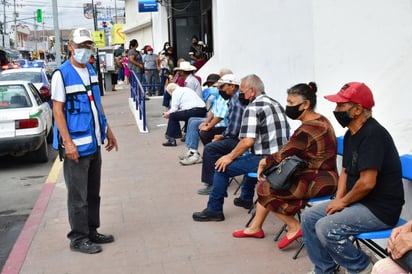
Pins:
x: 150, y: 52
x: 82, y: 55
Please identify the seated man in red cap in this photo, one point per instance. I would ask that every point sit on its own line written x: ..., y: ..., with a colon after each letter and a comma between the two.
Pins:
x: 370, y: 191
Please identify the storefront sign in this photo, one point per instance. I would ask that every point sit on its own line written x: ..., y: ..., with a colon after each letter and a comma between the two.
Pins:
x: 147, y: 5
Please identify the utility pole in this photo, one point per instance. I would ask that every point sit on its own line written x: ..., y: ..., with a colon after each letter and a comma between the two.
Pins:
x: 57, y: 44
x: 15, y: 26
x: 4, y: 21
x: 99, y: 73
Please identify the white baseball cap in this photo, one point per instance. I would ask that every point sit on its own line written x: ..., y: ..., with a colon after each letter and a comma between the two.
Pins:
x: 229, y: 79
x: 81, y: 35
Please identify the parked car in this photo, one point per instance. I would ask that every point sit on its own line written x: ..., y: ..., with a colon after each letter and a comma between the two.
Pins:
x: 37, y: 76
x: 10, y: 66
x: 38, y: 64
x: 24, y: 63
x: 26, y: 121
x: 51, y: 67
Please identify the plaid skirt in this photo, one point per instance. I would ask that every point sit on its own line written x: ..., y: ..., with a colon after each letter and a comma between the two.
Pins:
x: 307, y: 185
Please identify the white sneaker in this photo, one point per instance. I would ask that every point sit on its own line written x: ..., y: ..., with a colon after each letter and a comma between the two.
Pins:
x: 185, y: 155
x: 195, y: 158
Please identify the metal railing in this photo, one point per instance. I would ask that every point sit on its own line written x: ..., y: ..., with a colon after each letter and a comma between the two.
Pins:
x: 137, y: 93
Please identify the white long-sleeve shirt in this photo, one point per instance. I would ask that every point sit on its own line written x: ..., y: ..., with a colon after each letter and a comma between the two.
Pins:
x: 184, y: 98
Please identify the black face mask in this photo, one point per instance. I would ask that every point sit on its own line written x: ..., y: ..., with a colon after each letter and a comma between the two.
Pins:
x: 242, y: 100
x: 343, y: 117
x: 293, y: 112
x: 224, y: 95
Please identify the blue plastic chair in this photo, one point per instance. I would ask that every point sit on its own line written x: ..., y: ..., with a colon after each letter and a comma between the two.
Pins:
x: 367, y: 237
x: 406, y: 161
x: 339, y: 150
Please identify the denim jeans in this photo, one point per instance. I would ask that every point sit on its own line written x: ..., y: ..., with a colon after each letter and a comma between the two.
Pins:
x: 83, y: 199
x: 242, y: 165
x: 151, y: 80
x: 326, y: 237
x: 211, y: 153
x: 192, y: 132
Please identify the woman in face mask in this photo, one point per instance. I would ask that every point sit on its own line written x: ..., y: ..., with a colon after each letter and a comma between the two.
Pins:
x: 197, y: 53
x: 315, y: 142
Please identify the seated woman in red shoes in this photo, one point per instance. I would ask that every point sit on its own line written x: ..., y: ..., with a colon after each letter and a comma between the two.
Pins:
x: 315, y: 142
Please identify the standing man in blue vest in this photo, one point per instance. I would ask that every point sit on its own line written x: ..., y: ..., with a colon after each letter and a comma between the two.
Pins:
x: 80, y: 130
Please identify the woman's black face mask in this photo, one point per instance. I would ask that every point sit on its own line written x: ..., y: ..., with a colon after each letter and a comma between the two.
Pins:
x: 293, y: 112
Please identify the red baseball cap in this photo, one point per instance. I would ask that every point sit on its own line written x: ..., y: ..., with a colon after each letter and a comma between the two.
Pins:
x: 354, y: 92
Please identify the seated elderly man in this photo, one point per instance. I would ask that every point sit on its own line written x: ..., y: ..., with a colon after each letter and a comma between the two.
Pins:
x: 264, y: 130
x: 206, y: 128
x: 370, y: 191
x: 185, y: 104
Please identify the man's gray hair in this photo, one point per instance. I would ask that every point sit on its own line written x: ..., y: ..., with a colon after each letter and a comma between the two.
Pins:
x: 252, y: 80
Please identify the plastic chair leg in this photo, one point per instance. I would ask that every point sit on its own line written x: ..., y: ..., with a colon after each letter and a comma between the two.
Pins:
x: 283, y: 229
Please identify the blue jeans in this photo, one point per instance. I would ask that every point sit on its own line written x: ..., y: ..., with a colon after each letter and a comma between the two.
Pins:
x: 151, y: 80
x: 326, y: 237
x: 242, y: 165
x: 192, y: 132
x: 211, y: 153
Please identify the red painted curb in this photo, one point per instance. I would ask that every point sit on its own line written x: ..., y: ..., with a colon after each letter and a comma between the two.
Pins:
x: 18, y: 253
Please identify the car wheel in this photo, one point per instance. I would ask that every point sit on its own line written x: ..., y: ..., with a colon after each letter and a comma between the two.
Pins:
x: 42, y: 154
x: 50, y: 136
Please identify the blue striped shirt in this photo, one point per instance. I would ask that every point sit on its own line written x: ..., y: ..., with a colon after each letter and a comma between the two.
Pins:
x: 234, y: 117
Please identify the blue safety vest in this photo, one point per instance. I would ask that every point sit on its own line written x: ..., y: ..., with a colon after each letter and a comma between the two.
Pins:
x: 84, y: 116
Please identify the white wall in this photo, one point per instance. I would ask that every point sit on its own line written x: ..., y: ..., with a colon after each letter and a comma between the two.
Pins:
x: 138, y: 25
x: 329, y: 41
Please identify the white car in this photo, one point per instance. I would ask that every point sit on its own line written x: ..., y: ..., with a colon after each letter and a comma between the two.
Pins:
x: 35, y: 75
x: 25, y: 121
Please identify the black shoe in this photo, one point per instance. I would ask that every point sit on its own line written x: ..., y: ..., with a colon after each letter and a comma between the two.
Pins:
x: 242, y: 203
x: 207, y: 216
x: 85, y: 246
x: 98, y: 238
x: 183, y: 138
x: 169, y: 143
x: 205, y: 191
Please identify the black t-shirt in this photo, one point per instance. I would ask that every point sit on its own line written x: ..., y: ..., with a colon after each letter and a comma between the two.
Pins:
x: 372, y: 147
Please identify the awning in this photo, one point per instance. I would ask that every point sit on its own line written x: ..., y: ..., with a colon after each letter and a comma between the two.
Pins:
x: 10, y: 53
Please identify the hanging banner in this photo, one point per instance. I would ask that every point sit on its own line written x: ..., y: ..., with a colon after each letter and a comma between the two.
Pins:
x: 99, y: 39
x: 147, y: 5
x: 88, y: 10
x: 118, y: 36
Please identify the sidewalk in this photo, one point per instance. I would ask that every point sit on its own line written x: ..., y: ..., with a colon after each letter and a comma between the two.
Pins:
x: 147, y: 203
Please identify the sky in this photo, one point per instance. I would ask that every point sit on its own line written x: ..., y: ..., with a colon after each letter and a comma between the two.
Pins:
x: 70, y: 13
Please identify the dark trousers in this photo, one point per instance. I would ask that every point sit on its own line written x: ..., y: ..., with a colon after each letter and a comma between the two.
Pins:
x: 173, y: 126
x: 207, y: 136
x: 83, y: 194
x: 212, y: 152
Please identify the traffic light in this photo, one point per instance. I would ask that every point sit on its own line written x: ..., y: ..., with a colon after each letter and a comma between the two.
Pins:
x: 39, y: 15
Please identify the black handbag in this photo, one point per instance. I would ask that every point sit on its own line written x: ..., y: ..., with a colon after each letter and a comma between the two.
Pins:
x: 279, y: 175
x: 405, y: 261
